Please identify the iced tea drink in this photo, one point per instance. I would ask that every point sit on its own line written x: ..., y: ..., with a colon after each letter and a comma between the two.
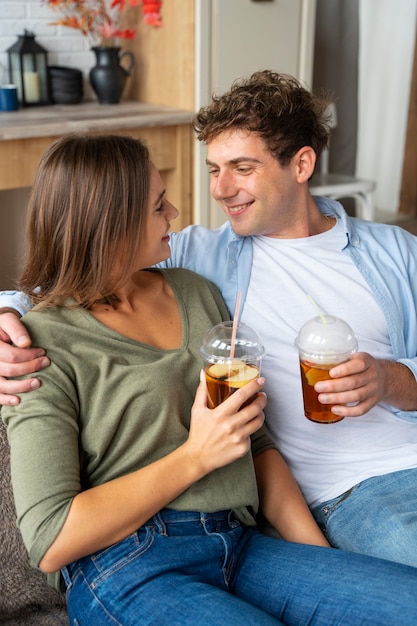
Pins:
x: 322, y: 343
x: 313, y: 408
x: 223, y: 379
x: 231, y: 360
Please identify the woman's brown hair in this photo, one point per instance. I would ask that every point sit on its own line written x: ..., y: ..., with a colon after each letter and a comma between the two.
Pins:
x: 85, y: 217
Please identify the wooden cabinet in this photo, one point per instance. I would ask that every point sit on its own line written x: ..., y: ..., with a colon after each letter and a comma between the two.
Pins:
x: 26, y: 134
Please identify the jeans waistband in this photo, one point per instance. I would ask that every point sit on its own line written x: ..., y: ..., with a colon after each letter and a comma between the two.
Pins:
x: 219, y: 521
x: 169, y: 522
x: 170, y: 515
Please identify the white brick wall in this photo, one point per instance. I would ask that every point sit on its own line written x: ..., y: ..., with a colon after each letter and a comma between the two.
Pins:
x: 65, y: 46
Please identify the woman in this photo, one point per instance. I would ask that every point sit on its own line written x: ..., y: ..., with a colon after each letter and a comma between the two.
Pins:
x: 123, y: 478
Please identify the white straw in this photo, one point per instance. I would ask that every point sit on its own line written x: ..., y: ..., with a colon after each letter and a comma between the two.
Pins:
x: 318, y: 309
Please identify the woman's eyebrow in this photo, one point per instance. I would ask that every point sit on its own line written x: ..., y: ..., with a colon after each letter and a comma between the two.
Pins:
x: 159, y: 198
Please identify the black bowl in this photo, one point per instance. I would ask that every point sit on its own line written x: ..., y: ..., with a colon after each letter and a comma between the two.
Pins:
x: 64, y: 72
x: 60, y: 98
x: 58, y: 80
x: 66, y: 89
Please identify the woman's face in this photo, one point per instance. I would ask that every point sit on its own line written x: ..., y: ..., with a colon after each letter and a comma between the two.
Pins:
x: 154, y: 247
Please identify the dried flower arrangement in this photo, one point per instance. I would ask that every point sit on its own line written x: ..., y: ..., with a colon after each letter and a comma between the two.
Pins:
x: 104, y: 21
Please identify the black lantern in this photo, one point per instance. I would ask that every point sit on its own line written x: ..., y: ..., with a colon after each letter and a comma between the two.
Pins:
x: 28, y: 70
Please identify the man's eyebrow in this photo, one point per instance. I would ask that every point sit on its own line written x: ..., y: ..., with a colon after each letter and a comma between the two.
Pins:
x: 236, y: 161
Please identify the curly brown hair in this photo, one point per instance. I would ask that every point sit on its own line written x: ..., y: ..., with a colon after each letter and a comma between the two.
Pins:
x: 276, y: 106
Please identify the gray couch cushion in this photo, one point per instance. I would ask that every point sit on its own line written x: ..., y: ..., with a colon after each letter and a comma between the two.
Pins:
x: 25, y: 596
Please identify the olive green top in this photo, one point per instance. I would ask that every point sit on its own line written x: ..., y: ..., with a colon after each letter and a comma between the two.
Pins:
x: 109, y: 405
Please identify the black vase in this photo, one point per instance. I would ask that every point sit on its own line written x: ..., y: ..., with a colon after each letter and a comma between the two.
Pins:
x: 108, y: 77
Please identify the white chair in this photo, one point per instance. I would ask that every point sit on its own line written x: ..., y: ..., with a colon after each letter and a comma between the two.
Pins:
x: 337, y: 186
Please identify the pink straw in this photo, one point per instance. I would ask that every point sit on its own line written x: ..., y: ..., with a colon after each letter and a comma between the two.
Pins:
x: 234, y: 327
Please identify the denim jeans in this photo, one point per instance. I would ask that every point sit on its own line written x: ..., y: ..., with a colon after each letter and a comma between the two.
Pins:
x: 378, y: 517
x: 186, y: 568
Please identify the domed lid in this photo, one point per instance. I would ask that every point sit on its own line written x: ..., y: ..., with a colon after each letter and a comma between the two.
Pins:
x: 217, y: 343
x: 326, y: 335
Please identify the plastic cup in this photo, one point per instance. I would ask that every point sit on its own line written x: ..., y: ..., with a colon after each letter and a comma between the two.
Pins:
x: 225, y: 373
x: 322, y: 343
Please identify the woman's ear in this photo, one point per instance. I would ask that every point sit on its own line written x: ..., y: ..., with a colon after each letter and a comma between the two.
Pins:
x: 305, y: 160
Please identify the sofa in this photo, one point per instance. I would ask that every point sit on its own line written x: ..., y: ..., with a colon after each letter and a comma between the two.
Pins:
x: 25, y: 596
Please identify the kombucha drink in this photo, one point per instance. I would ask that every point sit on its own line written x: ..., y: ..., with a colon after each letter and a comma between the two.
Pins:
x: 313, y: 409
x: 322, y: 342
x: 224, y: 378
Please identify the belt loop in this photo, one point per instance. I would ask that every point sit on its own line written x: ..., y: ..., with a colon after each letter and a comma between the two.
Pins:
x: 160, y: 524
x: 66, y: 575
x: 232, y: 521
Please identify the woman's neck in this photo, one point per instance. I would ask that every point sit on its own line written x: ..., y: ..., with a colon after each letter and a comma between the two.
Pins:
x: 147, y: 312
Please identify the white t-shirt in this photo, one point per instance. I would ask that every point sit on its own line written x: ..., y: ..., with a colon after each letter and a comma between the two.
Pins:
x: 326, y: 459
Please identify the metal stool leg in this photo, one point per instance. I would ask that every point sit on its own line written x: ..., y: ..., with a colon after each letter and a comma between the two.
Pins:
x: 366, y: 206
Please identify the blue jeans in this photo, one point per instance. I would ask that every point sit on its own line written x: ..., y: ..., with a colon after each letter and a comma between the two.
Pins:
x: 186, y: 568
x: 377, y: 517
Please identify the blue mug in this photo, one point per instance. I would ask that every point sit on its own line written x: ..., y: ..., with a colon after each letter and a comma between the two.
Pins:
x: 8, y: 98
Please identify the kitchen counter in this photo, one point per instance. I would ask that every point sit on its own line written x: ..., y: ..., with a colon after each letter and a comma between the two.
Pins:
x: 26, y: 134
x: 55, y: 120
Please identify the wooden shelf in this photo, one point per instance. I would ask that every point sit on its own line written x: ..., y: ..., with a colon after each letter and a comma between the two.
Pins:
x: 27, y: 133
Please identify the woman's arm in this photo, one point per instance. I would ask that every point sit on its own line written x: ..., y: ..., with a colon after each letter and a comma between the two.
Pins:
x: 282, y: 503
x: 107, y: 513
x: 110, y: 512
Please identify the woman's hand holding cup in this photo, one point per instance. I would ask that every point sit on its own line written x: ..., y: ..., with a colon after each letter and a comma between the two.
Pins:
x: 221, y: 435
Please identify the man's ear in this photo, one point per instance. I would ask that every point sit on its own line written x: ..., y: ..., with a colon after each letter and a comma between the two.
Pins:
x: 304, y: 161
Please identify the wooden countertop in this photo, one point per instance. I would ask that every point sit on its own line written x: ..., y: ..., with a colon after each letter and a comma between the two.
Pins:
x: 55, y: 120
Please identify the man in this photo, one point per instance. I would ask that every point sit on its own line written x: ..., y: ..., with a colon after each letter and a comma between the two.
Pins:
x: 281, y: 249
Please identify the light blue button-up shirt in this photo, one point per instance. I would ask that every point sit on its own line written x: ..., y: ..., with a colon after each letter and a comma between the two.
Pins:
x: 385, y: 255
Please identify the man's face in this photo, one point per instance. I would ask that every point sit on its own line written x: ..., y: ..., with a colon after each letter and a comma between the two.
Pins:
x: 258, y: 195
